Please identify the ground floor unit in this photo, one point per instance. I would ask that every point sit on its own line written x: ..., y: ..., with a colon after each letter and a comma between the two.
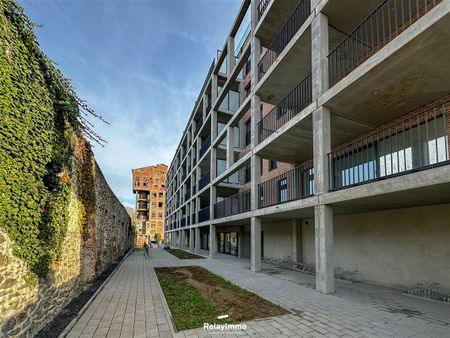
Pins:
x: 406, y: 248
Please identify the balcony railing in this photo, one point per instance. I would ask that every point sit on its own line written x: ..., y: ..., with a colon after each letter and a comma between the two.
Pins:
x: 290, y: 28
x: 286, y: 109
x: 198, y: 126
x: 204, y: 180
x: 418, y: 141
x: 203, y: 215
x: 263, y: 4
x: 290, y: 186
x: 235, y: 204
x: 187, y: 195
x: 385, y: 23
x: 205, y: 146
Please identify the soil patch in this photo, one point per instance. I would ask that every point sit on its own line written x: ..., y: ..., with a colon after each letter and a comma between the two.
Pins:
x: 181, y: 254
x: 55, y: 327
x: 227, y: 298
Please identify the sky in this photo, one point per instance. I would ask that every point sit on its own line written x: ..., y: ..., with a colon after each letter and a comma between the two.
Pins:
x: 140, y: 64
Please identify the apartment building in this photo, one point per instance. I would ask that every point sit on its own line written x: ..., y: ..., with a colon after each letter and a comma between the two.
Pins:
x: 320, y: 139
x: 149, y: 185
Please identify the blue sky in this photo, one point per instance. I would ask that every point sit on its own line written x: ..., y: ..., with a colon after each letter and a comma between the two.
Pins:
x: 140, y: 64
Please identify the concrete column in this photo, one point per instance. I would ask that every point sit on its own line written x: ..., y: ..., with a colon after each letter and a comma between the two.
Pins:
x: 212, y: 201
x: 319, y: 50
x: 240, y: 243
x: 321, y: 149
x: 212, y: 241
x: 295, y: 240
x: 182, y: 240
x: 213, y: 165
x: 213, y: 88
x: 230, y: 54
x: 213, y: 125
x: 191, y: 239
x: 197, y: 209
x: 255, y: 171
x: 205, y: 105
x: 324, y: 248
x: 197, y: 240
x: 255, y: 234
x: 230, y: 146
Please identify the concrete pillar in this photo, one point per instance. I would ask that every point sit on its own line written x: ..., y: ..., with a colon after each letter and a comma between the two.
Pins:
x: 324, y: 248
x: 213, y: 88
x: 213, y: 172
x: 319, y: 50
x: 212, y: 201
x: 212, y: 241
x: 182, y: 239
x: 321, y: 149
x: 230, y: 146
x: 191, y: 239
x: 295, y: 224
x: 230, y: 54
x: 255, y: 241
x: 197, y: 209
x: 240, y: 243
x: 197, y: 240
x: 255, y: 171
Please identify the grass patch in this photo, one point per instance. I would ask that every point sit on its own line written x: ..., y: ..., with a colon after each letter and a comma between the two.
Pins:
x: 138, y: 249
x: 196, y: 296
x: 181, y: 254
x: 188, y: 307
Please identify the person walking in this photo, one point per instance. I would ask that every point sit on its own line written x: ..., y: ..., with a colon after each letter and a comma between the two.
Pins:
x: 146, y: 252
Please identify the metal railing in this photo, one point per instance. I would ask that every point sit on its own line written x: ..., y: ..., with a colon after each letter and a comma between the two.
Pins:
x: 198, y: 126
x: 263, y: 4
x: 187, y: 195
x: 204, y: 180
x: 292, y: 185
x: 203, y: 215
x: 418, y: 141
x: 205, y: 146
x: 235, y: 204
x: 297, y: 100
x: 290, y: 28
x: 385, y: 23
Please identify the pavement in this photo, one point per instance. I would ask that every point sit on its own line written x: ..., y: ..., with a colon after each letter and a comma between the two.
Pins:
x: 131, y: 305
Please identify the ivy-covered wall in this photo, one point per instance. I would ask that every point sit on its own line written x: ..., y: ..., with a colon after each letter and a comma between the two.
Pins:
x: 52, y: 192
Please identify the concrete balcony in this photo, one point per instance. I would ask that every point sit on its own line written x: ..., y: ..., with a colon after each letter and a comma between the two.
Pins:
x: 406, y: 72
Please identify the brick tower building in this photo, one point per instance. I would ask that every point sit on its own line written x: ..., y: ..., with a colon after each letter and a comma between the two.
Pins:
x: 149, y: 187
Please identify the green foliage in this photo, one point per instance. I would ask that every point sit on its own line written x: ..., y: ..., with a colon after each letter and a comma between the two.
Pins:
x: 181, y: 254
x: 39, y: 114
x: 158, y: 237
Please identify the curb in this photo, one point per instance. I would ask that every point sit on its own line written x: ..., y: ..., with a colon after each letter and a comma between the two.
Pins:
x: 84, y: 308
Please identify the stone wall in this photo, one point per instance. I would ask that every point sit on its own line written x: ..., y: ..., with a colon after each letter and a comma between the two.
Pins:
x: 27, y: 304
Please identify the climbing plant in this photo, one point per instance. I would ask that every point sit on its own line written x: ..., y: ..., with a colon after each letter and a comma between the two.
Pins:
x: 39, y: 114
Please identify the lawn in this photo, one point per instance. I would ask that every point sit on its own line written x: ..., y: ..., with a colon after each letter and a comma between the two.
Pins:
x: 196, y: 296
x: 181, y: 254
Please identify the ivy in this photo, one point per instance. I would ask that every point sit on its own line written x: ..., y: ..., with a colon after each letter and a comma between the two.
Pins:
x: 39, y: 114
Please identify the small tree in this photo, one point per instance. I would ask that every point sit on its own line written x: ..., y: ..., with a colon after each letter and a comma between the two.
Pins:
x: 158, y: 237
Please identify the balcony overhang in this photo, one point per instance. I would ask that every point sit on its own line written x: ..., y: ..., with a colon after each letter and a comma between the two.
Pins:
x: 292, y: 143
x: 407, y: 73
x: 273, y: 19
x: 292, y: 65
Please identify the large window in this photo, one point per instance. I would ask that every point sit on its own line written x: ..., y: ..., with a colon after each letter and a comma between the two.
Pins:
x: 414, y: 147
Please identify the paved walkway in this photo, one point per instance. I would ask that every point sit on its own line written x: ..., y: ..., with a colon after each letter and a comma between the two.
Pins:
x: 130, y: 305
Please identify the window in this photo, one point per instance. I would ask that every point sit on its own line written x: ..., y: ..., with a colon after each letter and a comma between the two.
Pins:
x: 153, y: 204
x: 248, y: 136
x: 160, y: 214
x: 160, y: 195
x: 248, y: 174
x: 160, y: 204
x: 136, y: 183
x: 145, y: 181
x: 282, y: 190
x: 152, y: 225
x: 272, y: 165
x: 153, y: 214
